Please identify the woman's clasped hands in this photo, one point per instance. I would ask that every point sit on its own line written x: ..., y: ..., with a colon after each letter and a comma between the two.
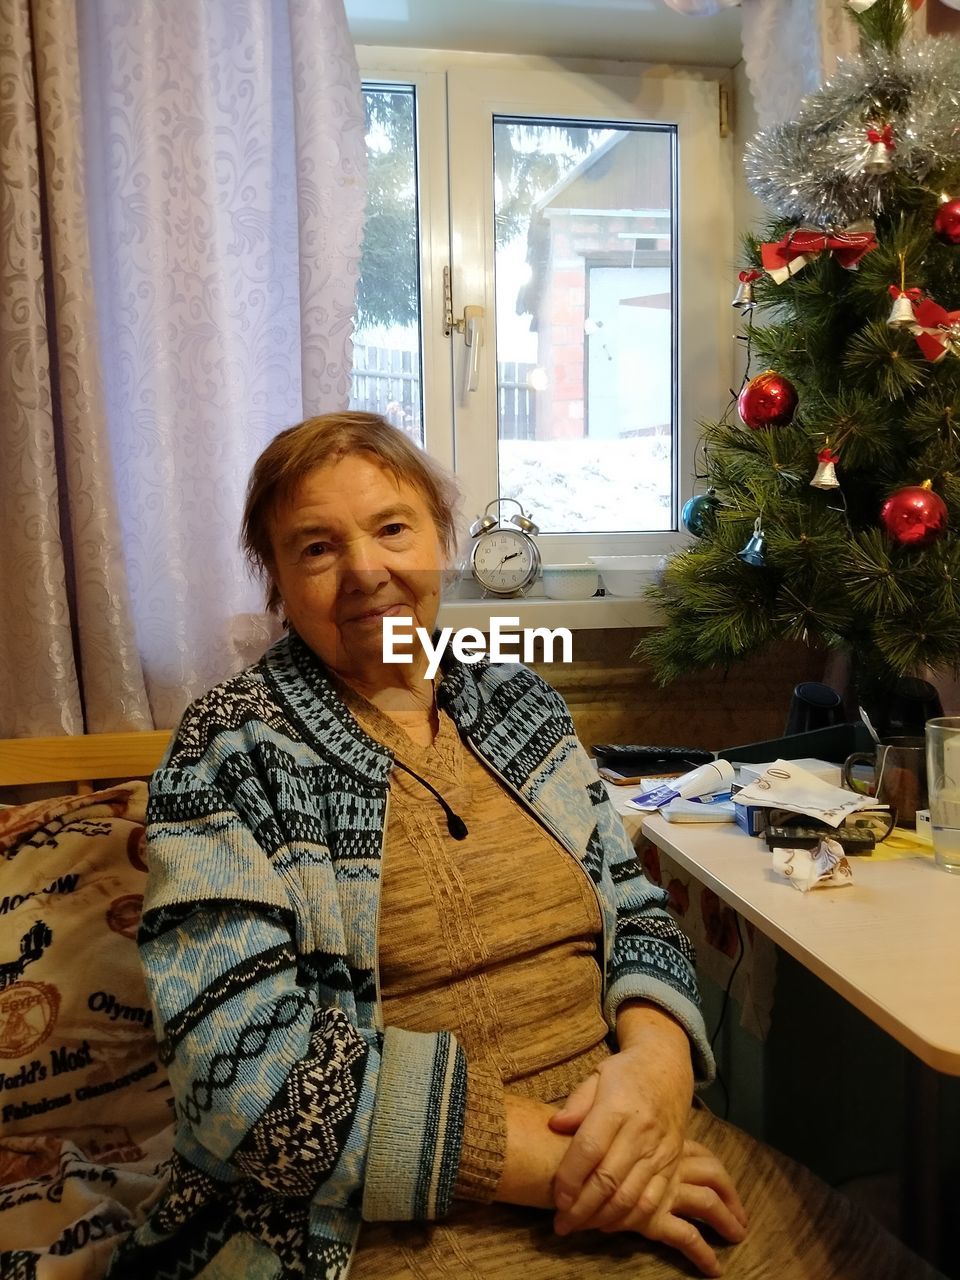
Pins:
x: 630, y: 1165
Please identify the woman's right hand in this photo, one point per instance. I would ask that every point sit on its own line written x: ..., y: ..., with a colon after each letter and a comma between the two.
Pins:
x: 702, y: 1191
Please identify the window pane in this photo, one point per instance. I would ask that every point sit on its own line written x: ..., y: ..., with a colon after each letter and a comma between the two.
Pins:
x: 386, y: 351
x: 584, y: 219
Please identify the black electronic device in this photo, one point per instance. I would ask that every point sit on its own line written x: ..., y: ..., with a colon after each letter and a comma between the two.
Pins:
x: 649, y: 759
x: 852, y: 842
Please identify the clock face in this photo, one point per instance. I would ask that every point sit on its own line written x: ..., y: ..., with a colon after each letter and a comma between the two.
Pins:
x: 505, y: 561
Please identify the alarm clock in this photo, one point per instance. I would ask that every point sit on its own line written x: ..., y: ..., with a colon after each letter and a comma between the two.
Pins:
x: 504, y: 559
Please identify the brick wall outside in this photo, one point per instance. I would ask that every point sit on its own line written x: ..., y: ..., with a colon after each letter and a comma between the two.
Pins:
x: 575, y: 242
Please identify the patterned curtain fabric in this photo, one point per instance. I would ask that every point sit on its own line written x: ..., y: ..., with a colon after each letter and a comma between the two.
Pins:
x: 789, y: 48
x: 700, y: 8
x: 180, y: 227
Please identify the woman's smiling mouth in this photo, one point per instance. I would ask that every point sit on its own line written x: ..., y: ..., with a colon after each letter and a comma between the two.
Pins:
x: 375, y: 615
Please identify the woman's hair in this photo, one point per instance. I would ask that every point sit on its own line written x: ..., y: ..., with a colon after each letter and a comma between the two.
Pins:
x: 320, y: 442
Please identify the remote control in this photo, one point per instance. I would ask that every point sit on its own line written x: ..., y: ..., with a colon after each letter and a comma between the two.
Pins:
x: 851, y: 842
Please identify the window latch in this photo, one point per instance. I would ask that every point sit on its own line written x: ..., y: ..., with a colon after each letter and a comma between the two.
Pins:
x: 470, y: 324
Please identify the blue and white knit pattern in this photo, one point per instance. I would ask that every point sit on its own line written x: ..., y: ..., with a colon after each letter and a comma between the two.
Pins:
x: 296, y: 1110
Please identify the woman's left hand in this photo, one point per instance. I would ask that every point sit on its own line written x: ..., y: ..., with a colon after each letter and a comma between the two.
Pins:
x: 628, y: 1121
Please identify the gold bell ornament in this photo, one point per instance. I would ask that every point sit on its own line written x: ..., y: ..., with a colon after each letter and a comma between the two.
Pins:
x: 825, y: 476
x: 881, y: 147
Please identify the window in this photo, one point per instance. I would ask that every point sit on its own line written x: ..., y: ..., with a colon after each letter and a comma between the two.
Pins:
x: 387, y: 374
x: 584, y: 269
x: 582, y: 221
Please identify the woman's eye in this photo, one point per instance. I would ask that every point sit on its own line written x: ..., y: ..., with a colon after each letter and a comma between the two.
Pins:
x: 315, y: 549
x: 391, y: 530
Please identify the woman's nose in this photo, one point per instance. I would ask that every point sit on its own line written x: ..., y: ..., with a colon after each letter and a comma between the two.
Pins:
x: 364, y: 567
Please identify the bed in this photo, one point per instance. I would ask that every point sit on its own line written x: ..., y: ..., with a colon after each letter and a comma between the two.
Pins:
x: 85, y: 1105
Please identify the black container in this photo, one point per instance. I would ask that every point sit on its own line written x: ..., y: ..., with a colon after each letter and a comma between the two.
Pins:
x: 813, y: 706
x: 910, y: 704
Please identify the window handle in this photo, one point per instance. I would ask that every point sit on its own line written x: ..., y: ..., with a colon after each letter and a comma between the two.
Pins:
x: 473, y: 337
x: 470, y: 324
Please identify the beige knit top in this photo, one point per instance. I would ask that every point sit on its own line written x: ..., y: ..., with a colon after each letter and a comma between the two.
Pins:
x: 494, y: 937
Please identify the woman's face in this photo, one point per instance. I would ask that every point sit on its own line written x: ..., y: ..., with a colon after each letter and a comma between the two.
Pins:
x: 354, y: 545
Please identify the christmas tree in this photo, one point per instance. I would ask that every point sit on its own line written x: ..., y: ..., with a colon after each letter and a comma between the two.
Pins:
x: 830, y: 510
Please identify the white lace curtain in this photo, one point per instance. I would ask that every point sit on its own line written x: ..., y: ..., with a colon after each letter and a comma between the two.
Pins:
x: 180, y: 229
x: 789, y: 48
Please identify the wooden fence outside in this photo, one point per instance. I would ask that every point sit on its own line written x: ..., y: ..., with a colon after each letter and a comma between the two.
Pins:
x: 386, y: 380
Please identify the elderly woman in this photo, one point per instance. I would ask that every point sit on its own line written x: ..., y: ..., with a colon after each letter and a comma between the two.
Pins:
x: 407, y: 970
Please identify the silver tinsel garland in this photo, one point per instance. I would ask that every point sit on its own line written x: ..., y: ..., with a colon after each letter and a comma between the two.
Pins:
x: 811, y: 170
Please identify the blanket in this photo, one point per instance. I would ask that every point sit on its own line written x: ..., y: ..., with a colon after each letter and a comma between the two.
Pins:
x: 86, y: 1121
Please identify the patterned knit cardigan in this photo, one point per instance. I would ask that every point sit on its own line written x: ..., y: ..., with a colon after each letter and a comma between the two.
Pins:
x: 298, y: 1112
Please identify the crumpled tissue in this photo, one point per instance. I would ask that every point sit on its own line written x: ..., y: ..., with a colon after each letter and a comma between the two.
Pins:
x: 825, y: 867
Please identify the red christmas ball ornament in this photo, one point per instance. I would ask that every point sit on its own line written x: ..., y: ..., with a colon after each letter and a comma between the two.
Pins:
x: 768, y: 400
x: 915, y: 516
x: 946, y: 223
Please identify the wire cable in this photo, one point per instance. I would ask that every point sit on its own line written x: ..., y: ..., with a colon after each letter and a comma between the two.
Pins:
x: 723, y: 1013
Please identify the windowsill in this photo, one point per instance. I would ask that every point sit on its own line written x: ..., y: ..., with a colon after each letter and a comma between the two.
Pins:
x: 577, y: 615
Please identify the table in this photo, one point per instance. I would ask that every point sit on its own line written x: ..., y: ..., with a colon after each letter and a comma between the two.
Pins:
x: 889, y: 945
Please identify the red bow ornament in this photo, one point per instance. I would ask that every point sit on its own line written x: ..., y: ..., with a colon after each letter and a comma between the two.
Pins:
x: 937, y: 330
x: 884, y: 135
x: 914, y: 295
x: 791, y: 254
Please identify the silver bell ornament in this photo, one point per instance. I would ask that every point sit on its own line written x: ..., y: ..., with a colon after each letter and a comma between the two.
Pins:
x: 753, y: 552
x: 825, y: 476
x: 744, y: 298
x: 901, y: 313
x: 878, y: 159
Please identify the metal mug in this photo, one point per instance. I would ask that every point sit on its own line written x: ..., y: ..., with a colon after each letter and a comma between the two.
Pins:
x: 900, y: 776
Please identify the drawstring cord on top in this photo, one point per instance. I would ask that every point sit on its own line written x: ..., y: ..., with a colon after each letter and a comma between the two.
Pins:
x: 455, y: 824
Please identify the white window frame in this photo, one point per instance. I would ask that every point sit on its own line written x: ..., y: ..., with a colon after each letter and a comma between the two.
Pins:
x: 463, y: 92
x: 433, y: 193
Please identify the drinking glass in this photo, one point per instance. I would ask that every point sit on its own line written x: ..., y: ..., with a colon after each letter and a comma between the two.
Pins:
x: 943, y: 784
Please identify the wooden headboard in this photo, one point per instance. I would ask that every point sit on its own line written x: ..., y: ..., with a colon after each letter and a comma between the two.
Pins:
x: 82, y: 759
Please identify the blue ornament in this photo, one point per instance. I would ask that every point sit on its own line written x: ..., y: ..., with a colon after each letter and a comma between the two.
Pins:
x: 698, y: 513
x: 753, y: 551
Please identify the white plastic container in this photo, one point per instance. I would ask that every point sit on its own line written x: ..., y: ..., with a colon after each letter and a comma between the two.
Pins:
x: 570, y: 581
x: 629, y: 575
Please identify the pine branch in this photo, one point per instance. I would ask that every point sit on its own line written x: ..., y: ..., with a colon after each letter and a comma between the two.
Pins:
x: 868, y: 433
x: 882, y: 358
x: 821, y: 613
x: 870, y: 578
x: 905, y: 647
x: 884, y: 23
x: 949, y: 490
x: 933, y: 420
x: 909, y: 237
